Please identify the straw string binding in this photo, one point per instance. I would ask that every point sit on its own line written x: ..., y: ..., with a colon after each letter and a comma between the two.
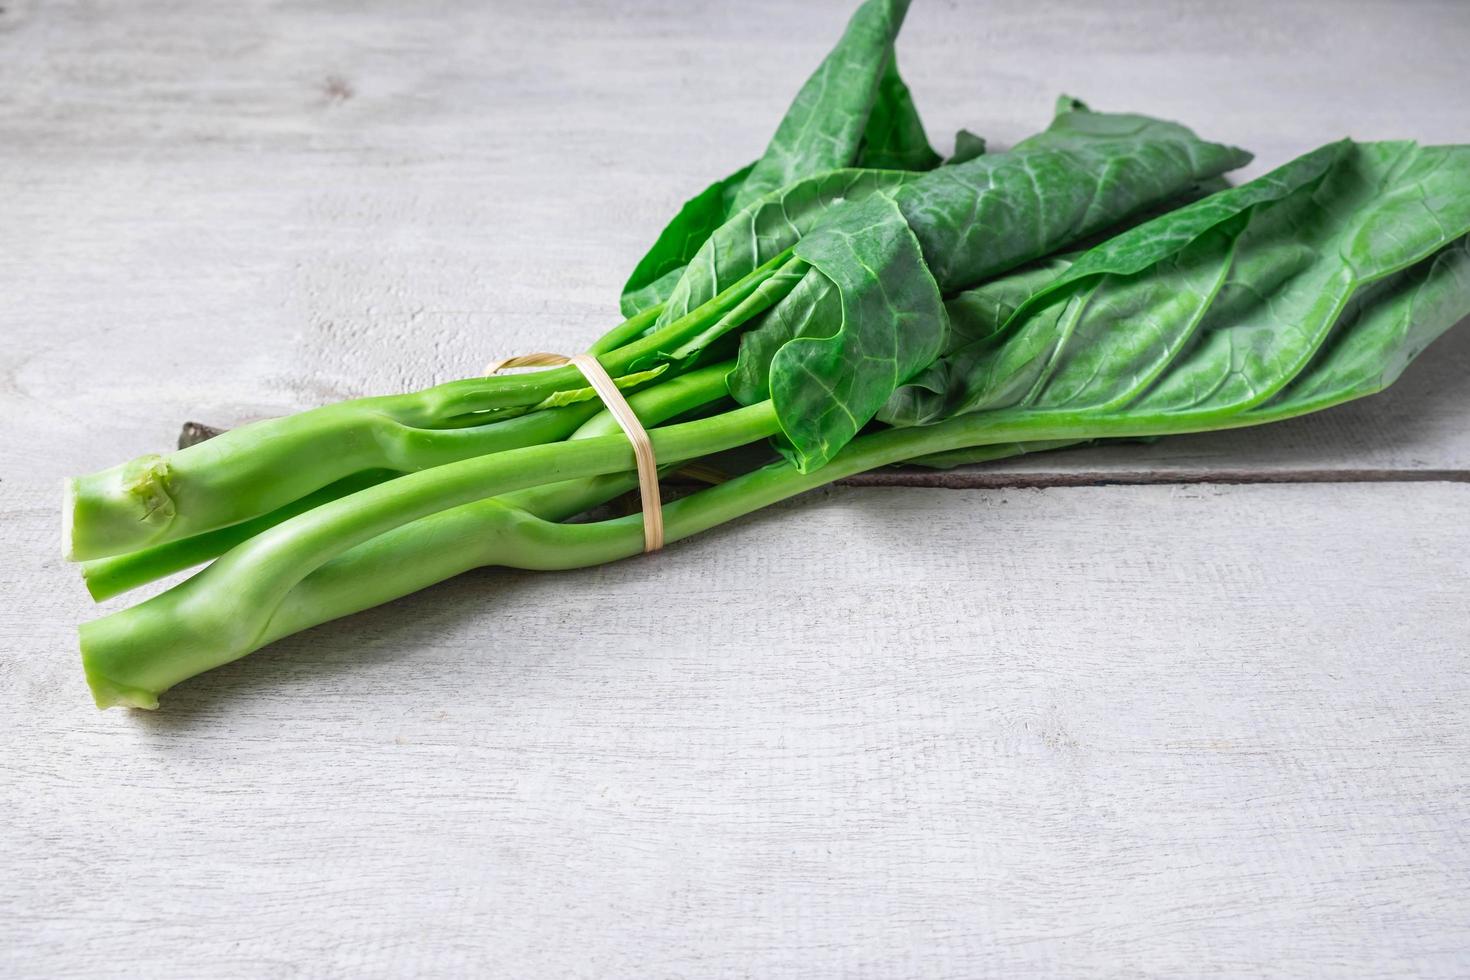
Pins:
x: 607, y: 389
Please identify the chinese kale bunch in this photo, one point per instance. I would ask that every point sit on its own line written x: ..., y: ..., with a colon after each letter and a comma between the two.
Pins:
x: 852, y: 299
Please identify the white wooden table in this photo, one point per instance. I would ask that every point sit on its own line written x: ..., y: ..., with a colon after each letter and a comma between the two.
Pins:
x: 1122, y: 730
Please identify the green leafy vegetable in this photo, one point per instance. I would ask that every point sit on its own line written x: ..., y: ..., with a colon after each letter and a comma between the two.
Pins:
x: 830, y: 354
x: 134, y: 655
x: 1074, y: 289
x: 894, y: 138
x: 827, y: 124
x: 1225, y: 301
x: 825, y: 387
x: 855, y: 111
x: 1084, y: 173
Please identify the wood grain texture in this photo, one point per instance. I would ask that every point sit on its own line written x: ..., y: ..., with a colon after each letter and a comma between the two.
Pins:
x: 1139, y: 731
x: 1125, y: 730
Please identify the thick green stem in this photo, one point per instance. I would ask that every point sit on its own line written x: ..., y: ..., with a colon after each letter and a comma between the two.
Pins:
x: 410, y: 558
x: 255, y: 469
x: 108, y: 577
x: 627, y: 331
x: 222, y: 613
x: 480, y: 394
x: 488, y: 532
x: 134, y: 655
x: 258, y: 468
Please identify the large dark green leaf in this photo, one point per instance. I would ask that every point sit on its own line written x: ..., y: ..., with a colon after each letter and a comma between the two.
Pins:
x: 826, y: 385
x: 1318, y: 289
x: 1294, y: 267
x: 1086, y: 172
x: 854, y: 111
x: 975, y: 219
x: 1383, y: 329
x: 972, y: 376
x: 825, y: 126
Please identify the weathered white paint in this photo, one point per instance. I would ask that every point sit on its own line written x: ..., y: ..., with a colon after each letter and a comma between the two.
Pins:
x: 1160, y: 731
x: 1124, y: 731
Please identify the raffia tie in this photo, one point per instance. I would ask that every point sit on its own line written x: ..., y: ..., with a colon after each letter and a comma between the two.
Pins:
x: 622, y: 412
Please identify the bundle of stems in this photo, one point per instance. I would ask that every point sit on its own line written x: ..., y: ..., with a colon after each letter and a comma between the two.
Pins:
x: 850, y: 300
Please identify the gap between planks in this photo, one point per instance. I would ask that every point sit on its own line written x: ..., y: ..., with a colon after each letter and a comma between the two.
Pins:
x: 978, y: 479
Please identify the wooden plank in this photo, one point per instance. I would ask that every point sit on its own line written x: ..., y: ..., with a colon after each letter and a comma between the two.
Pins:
x: 1126, y: 730
x: 1153, y: 730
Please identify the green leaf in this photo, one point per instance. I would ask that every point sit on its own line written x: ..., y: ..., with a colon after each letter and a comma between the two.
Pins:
x: 1086, y: 172
x: 767, y: 227
x: 825, y: 126
x: 956, y: 383
x: 1316, y: 284
x: 1296, y: 264
x: 1383, y: 329
x: 967, y: 146
x: 826, y: 386
x: 894, y: 138
x: 854, y: 111
x: 972, y: 220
